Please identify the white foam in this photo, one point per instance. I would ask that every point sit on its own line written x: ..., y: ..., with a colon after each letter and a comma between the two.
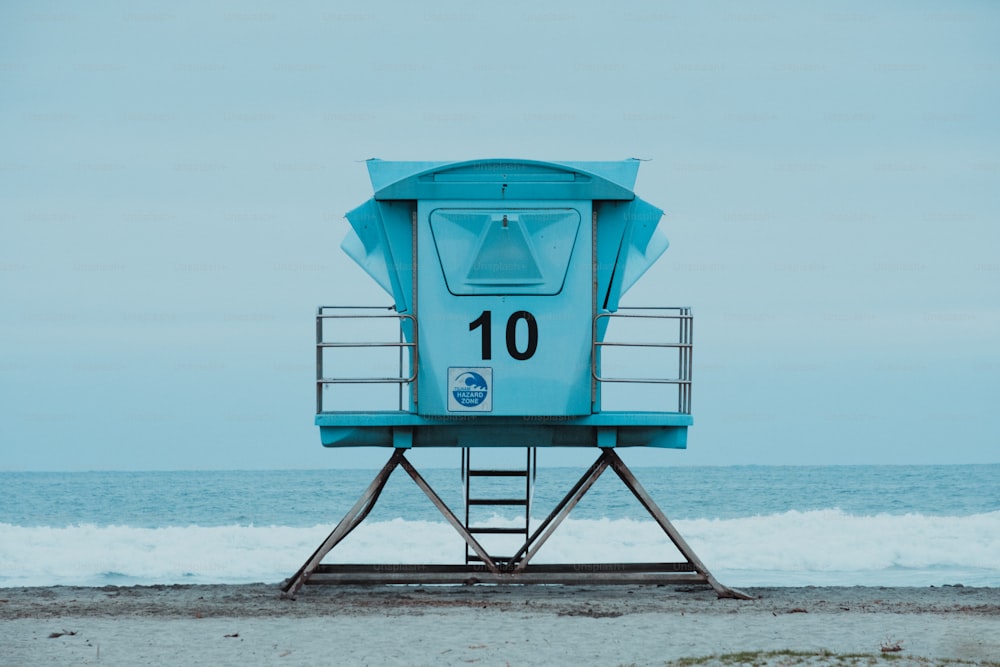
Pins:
x: 826, y: 547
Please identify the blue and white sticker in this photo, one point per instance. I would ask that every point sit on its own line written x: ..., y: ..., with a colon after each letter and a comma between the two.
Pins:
x: 470, y: 389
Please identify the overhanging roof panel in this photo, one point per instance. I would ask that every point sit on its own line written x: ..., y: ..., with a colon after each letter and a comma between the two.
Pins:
x: 503, y: 179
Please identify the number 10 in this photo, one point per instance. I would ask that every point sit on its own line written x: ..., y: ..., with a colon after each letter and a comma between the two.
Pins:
x: 485, y: 321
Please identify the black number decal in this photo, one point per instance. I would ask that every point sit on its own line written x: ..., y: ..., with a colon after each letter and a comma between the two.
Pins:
x: 529, y: 350
x: 484, y: 322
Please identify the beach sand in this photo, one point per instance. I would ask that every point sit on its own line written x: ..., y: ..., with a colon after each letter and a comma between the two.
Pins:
x: 495, y: 625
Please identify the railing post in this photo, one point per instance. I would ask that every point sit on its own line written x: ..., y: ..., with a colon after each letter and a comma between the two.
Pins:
x: 319, y: 360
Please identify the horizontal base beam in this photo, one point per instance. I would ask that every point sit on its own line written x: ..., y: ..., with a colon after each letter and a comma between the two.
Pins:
x: 562, y: 574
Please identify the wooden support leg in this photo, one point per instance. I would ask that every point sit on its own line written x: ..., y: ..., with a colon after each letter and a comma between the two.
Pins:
x: 350, y: 521
x: 561, y: 511
x: 643, y: 497
x: 450, y: 516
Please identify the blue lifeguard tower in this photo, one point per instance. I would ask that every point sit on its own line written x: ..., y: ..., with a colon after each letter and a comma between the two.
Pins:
x: 505, y: 330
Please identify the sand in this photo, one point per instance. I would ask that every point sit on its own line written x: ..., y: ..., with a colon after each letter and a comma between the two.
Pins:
x: 496, y: 625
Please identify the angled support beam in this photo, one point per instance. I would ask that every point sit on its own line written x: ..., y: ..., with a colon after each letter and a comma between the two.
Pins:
x: 654, y: 510
x: 350, y: 521
x: 363, y: 508
x: 560, y: 512
x: 450, y: 516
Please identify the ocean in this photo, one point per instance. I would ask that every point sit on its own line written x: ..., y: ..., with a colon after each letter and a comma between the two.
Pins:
x: 751, y: 525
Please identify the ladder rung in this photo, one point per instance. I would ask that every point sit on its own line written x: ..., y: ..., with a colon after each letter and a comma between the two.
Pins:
x: 497, y: 473
x: 500, y: 531
x: 496, y: 559
x: 498, y: 501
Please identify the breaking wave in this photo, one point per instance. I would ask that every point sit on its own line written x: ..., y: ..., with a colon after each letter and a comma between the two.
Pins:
x: 819, y: 547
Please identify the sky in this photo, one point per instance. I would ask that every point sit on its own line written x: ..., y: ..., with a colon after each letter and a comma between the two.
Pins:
x: 173, y: 179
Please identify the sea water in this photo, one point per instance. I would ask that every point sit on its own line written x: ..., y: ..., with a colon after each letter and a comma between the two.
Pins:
x: 750, y: 525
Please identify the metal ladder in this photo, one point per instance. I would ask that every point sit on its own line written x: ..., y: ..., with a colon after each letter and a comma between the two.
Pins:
x: 516, y: 492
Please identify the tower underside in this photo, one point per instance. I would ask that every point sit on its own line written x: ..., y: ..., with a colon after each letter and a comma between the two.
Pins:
x: 482, y: 567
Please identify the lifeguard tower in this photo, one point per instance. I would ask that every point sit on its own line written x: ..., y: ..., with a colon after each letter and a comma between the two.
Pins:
x: 504, y: 331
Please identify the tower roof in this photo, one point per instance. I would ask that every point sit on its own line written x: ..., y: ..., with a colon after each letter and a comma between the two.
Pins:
x: 497, y: 178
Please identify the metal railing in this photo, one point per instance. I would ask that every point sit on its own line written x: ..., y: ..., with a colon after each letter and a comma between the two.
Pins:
x: 682, y: 342
x: 349, y: 317
x: 407, y: 362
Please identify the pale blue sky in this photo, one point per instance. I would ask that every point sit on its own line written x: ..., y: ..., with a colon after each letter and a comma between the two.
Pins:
x: 173, y: 178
